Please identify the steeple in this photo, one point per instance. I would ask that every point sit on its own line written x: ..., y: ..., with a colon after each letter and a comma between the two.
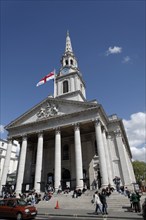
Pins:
x: 69, y: 83
x: 68, y: 47
x: 68, y: 60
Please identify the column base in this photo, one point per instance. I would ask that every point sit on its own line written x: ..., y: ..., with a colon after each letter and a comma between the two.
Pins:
x: 17, y: 193
x: 79, y: 187
x: 103, y: 186
x: 56, y: 189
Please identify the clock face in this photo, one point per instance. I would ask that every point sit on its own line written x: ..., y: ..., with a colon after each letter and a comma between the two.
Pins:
x: 65, y: 70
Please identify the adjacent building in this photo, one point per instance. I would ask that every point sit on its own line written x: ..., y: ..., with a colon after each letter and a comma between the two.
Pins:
x: 68, y: 140
x: 12, y: 160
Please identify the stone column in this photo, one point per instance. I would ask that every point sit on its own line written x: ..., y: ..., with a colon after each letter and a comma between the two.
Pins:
x: 101, y: 152
x: 109, y: 168
x: 131, y: 170
x: 21, y: 167
x: 78, y: 158
x: 122, y: 157
x: 6, y: 164
x: 130, y: 167
x: 111, y: 153
x: 57, y: 158
x: 38, y: 170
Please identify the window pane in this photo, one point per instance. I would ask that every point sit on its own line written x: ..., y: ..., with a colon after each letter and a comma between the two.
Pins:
x: 65, y: 86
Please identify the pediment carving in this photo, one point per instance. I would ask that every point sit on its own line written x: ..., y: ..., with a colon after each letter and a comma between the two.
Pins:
x: 49, y: 111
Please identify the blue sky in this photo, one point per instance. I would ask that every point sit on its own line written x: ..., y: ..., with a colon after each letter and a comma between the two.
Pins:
x: 108, y: 38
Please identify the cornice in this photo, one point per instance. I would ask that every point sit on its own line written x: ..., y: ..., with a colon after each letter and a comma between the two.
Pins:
x: 56, y: 117
x: 56, y: 100
x: 73, y: 93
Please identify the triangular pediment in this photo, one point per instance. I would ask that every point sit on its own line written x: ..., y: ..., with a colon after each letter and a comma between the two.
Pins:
x: 51, y: 108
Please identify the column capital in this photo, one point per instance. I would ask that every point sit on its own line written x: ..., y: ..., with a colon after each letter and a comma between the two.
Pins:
x: 109, y: 135
x: 24, y: 138
x: 57, y: 130
x: 9, y: 139
x: 40, y: 133
x: 118, y: 133
x: 97, y: 121
x: 76, y: 126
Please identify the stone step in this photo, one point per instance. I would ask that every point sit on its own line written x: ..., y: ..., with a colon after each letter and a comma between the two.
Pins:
x: 66, y: 201
x: 116, y: 202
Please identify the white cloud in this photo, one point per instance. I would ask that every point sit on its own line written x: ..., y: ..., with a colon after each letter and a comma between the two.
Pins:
x: 126, y: 59
x: 114, y: 50
x: 139, y: 153
x: 2, y: 129
x: 136, y: 132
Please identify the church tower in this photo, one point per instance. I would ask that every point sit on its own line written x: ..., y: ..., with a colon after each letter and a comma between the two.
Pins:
x: 69, y: 83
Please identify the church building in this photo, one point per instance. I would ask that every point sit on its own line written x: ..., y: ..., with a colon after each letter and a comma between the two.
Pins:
x: 67, y: 140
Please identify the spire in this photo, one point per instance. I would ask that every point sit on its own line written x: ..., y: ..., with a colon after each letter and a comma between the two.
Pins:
x: 68, y: 47
x: 68, y: 60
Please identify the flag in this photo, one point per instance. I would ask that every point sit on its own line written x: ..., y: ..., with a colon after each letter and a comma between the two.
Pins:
x: 46, y: 78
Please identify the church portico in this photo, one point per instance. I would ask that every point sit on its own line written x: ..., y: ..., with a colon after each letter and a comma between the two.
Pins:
x: 67, y: 140
x: 48, y: 156
x: 47, y: 146
x: 37, y: 143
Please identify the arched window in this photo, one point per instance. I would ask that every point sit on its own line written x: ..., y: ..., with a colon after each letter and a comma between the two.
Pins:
x: 66, y: 152
x: 65, y: 86
x: 71, y: 62
x: 66, y: 62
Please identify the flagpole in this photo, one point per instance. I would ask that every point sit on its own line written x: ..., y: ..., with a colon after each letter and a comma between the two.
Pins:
x: 54, y: 83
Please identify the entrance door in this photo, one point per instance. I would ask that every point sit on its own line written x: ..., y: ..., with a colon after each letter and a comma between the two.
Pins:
x: 66, y: 177
x: 50, y: 180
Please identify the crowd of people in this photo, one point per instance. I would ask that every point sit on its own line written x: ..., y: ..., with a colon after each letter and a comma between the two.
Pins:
x: 99, y: 197
x: 31, y: 197
x: 100, y: 201
x: 133, y: 195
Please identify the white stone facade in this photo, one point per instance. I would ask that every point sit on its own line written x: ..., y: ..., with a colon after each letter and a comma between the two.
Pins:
x: 67, y: 140
x: 12, y: 167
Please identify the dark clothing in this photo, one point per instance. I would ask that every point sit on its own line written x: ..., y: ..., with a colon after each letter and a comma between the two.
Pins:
x: 116, y: 181
x: 139, y: 205
x: 104, y: 203
x: 135, y: 202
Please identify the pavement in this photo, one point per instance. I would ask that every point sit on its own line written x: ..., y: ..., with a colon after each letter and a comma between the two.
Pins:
x: 65, y: 205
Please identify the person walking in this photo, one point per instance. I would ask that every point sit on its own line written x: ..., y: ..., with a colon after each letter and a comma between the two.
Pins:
x: 139, y: 205
x: 102, y: 197
x: 97, y: 203
x: 135, y: 201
